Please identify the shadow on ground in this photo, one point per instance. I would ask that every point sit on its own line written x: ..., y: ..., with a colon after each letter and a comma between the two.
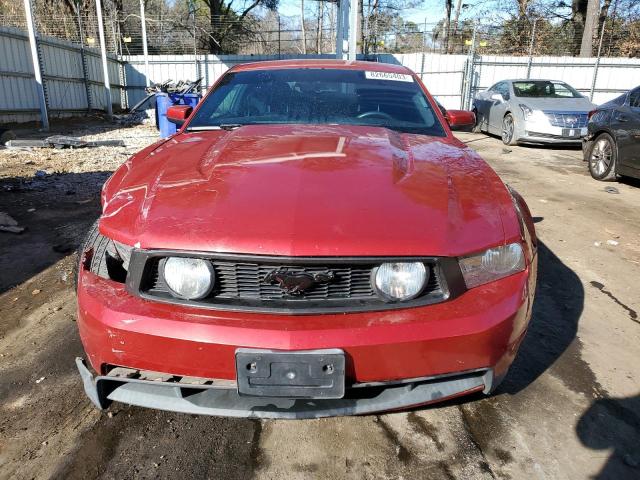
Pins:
x: 552, y: 331
x: 613, y: 424
x: 56, y: 211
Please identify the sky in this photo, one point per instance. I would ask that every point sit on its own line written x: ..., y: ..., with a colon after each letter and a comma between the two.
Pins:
x: 431, y: 10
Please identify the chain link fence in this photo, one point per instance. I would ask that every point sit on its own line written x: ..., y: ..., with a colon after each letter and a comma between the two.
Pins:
x: 172, y: 31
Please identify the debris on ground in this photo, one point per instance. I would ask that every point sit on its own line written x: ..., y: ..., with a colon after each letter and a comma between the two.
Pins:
x: 9, y: 224
x: 612, y: 242
x: 135, y: 117
x: 19, y: 165
x: 613, y: 190
x: 62, y: 141
x: 6, y: 135
x: 40, y: 380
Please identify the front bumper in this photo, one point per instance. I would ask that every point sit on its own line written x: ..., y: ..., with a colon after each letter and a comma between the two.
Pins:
x: 543, y: 132
x: 226, y: 402
x: 437, y: 351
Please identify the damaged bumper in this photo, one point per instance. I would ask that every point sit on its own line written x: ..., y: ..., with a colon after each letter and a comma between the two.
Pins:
x: 226, y: 402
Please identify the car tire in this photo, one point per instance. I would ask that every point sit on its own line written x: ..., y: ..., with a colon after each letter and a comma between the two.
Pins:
x: 476, y: 127
x: 509, y: 130
x: 602, y: 158
x: 93, y: 240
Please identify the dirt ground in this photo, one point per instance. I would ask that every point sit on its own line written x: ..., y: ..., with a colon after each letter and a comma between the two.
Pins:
x: 570, y: 407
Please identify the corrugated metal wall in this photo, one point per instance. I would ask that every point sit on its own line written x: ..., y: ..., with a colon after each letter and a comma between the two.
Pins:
x: 65, y: 84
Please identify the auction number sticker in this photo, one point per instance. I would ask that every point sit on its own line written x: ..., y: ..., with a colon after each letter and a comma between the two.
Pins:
x: 396, y: 77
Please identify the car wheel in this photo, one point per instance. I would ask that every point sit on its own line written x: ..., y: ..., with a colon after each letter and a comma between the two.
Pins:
x: 476, y: 127
x: 509, y: 130
x: 602, y: 158
x: 93, y: 240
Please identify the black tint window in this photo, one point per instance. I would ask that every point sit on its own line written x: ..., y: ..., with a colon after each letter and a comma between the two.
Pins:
x: 319, y: 96
x: 544, y: 89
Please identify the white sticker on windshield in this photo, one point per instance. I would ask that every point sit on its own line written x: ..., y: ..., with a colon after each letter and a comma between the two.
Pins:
x: 396, y: 77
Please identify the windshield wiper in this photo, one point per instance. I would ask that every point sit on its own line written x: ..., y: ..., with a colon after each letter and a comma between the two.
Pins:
x: 230, y: 126
x: 224, y: 126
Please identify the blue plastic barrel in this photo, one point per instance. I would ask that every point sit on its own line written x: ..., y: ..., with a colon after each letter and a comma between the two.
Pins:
x: 166, y: 100
x: 163, y: 102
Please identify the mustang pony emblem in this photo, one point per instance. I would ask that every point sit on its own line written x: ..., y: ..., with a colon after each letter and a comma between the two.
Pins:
x: 294, y: 283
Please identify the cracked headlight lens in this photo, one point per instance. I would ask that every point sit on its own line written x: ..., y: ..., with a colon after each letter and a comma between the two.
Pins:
x: 493, y: 264
x: 188, y: 278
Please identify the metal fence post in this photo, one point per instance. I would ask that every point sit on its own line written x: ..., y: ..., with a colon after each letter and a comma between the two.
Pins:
x: 467, y: 91
x: 83, y: 57
x: 105, y: 64
x: 340, y: 6
x: 597, y: 64
x: 424, y: 48
x: 144, y: 43
x: 37, y: 65
x: 353, y: 29
x: 533, y: 39
x: 124, y: 96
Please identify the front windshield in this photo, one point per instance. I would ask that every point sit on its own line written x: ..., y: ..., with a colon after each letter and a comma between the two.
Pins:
x: 318, y: 96
x: 544, y: 89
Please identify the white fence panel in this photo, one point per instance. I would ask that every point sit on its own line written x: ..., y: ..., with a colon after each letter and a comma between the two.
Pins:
x: 444, y: 75
x: 187, y: 67
x: 64, y: 80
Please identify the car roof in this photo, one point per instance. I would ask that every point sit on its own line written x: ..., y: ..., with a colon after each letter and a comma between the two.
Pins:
x: 323, y: 63
x: 533, y: 80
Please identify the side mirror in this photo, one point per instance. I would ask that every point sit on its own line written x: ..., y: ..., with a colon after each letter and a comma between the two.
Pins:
x: 460, y: 119
x: 497, y: 97
x: 178, y: 114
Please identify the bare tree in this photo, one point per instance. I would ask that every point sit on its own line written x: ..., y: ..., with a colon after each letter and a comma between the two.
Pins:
x: 302, y: 32
x: 456, y: 17
x: 604, y: 11
x: 319, y: 29
x: 590, y: 25
x: 448, y: 6
x: 224, y: 20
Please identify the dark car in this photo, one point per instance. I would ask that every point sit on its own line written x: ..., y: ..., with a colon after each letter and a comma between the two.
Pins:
x: 612, y: 144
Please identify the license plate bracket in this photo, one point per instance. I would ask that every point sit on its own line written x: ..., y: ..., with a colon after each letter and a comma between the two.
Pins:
x: 571, y: 132
x: 300, y: 374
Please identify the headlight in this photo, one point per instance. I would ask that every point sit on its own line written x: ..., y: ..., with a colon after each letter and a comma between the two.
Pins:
x: 495, y: 263
x: 400, y: 281
x: 189, y: 278
x: 530, y: 114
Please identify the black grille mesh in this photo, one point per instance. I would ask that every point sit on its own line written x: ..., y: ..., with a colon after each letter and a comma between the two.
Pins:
x: 240, y: 282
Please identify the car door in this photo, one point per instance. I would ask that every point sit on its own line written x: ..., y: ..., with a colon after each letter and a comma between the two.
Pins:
x: 499, y: 107
x: 625, y: 123
x: 482, y: 104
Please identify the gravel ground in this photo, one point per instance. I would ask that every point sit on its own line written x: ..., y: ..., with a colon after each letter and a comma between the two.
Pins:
x: 570, y: 407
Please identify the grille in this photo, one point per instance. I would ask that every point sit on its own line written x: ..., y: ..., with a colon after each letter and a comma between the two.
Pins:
x: 568, y: 119
x: 240, y: 285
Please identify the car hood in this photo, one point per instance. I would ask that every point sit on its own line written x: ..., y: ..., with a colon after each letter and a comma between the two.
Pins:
x: 308, y: 191
x: 581, y: 105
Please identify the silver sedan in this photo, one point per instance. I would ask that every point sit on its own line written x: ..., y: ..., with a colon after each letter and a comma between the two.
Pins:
x: 533, y: 111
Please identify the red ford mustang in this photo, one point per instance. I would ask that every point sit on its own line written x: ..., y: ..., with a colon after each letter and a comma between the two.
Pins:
x: 312, y: 242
